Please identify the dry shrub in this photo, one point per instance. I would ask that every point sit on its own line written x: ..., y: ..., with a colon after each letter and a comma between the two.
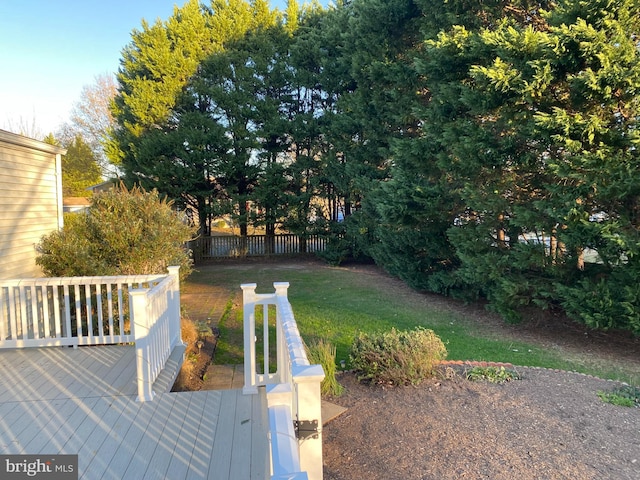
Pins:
x: 397, y: 357
x: 189, y: 331
x: 324, y: 353
x: 184, y: 377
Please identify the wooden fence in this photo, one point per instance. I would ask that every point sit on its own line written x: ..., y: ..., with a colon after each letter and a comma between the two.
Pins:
x: 234, y: 246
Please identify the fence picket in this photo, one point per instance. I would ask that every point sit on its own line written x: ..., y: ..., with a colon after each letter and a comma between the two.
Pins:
x: 35, y: 317
x: 56, y: 310
x: 120, y: 309
x: 99, y: 319
x: 46, y: 323
x: 78, y: 309
x: 67, y: 310
x: 88, y: 311
x: 3, y: 315
x: 109, y: 288
x: 24, y: 324
x: 13, y: 313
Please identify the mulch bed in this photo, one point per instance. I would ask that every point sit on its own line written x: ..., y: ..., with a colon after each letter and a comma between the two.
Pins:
x: 548, y: 425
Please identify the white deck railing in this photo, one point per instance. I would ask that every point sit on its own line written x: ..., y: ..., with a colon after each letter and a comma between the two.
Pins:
x: 74, y: 311
x: 156, y: 326
x: 293, y: 386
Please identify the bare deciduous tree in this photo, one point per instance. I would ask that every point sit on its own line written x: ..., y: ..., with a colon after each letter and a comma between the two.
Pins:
x: 91, y: 118
x: 25, y: 126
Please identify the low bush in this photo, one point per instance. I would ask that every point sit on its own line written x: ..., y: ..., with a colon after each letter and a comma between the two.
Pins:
x: 397, y: 357
x: 323, y: 353
x: 492, y: 374
x: 625, y: 396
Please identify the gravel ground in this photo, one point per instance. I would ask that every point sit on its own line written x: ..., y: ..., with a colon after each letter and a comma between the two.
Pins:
x: 548, y: 425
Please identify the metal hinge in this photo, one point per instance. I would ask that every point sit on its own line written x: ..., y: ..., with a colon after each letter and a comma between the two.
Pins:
x: 306, y: 429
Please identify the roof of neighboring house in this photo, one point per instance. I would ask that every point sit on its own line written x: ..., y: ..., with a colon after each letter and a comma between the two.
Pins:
x: 104, y: 186
x: 23, y: 141
x: 76, y: 201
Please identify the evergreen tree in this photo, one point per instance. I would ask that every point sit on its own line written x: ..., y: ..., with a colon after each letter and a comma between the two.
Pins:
x: 375, y: 91
x: 183, y: 157
x: 155, y: 70
x: 306, y: 111
x: 469, y: 147
x: 292, y: 17
x: 272, y: 68
x: 80, y: 169
x: 159, y: 61
x: 534, y: 126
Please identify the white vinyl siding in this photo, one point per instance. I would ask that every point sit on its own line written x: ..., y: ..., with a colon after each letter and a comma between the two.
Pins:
x: 30, y: 201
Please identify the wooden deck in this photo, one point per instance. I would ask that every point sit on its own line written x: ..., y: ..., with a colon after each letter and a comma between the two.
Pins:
x: 83, y: 401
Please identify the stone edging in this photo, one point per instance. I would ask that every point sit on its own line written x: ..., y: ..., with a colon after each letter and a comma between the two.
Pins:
x: 472, y: 363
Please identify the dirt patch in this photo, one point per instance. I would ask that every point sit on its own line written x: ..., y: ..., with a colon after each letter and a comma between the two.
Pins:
x: 196, y: 361
x: 548, y: 425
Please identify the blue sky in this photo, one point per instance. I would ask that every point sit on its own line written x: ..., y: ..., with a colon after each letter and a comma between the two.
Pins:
x: 50, y: 49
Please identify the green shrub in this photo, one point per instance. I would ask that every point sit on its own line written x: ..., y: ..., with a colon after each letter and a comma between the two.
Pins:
x: 492, y: 374
x: 67, y: 252
x: 607, y: 302
x: 124, y: 232
x: 625, y: 396
x: 323, y: 353
x: 397, y: 357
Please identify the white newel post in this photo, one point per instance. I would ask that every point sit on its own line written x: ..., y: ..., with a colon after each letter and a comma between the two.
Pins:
x: 249, y: 326
x: 141, y: 329
x: 308, y: 410
x: 175, y: 332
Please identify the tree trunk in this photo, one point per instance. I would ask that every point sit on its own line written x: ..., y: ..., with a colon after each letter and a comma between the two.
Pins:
x: 500, y: 232
x: 553, y: 246
x: 580, y: 264
x: 204, y: 228
x: 270, y: 239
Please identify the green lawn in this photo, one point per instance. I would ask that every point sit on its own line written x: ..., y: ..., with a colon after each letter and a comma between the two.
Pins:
x: 335, y: 303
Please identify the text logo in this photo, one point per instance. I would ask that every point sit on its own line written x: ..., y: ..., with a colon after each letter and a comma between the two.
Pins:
x: 50, y: 467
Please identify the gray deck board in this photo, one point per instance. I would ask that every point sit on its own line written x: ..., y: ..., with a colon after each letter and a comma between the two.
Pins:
x: 149, y: 424
x: 220, y: 459
x: 83, y: 401
x: 199, y: 461
x: 179, y: 462
x: 163, y: 453
x: 260, y: 452
x: 241, y: 467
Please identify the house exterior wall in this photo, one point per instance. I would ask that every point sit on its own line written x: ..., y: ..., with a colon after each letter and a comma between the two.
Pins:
x: 30, y: 201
